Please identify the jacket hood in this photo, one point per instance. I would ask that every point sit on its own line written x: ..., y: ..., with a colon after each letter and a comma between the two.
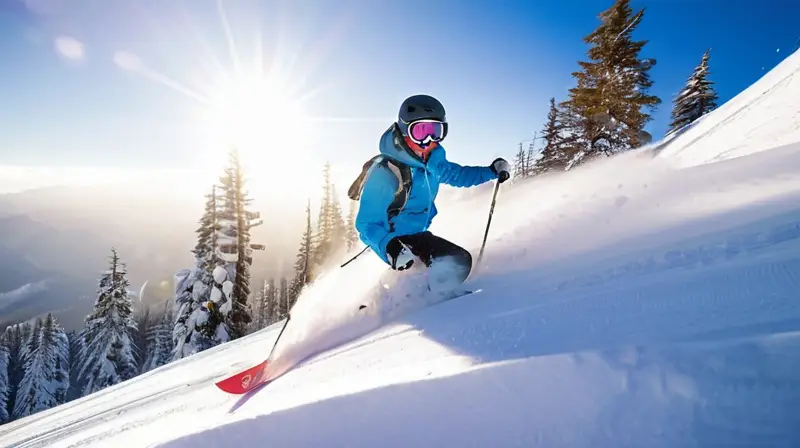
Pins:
x: 392, y: 146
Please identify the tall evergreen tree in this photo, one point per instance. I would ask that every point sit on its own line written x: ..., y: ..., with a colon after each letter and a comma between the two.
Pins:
x: 143, y: 324
x: 696, y: 99
x: 606, y: 105
x: 46, y: 378
x: 53, y: 331
x: 195, y: 327
x: 324, y: 239
x: 109, y: 333
x: 272, y: 306
x: 77, y: 348
x: 5, y: 386
x: 30, y: 396
x: 331, y: 232
x: 554, y: 153
x: 235, y: 224
x: 15, y: 340
x: 520, y: 164
x: 262, y: 315
x: 284, y: 299
x: 159, y: 342
x: 303, y: 262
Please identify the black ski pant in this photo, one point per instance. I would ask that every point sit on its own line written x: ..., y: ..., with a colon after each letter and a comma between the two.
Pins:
x: 430, y: 248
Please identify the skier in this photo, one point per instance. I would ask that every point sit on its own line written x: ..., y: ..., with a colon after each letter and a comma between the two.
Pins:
x: 398, y: 187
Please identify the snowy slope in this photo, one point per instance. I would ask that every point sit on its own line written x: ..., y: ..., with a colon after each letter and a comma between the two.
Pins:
x: 637, y: 301
x: 746, y: 124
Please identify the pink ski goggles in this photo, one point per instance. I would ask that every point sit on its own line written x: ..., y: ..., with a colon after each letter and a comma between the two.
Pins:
x: 423, y: 132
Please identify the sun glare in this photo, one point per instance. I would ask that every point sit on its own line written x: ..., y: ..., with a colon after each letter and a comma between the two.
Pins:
x: 256, y: 115
x: 255, y: 106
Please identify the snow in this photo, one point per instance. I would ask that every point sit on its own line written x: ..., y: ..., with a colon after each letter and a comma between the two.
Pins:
x: 220, y: 274
x: 632, y: 301
x: 745, y: 124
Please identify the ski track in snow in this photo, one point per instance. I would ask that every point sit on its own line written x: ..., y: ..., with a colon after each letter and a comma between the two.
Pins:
x: 637, y: 301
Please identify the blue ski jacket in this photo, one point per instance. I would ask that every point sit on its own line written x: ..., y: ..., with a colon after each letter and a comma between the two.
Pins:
x: 372, y: 221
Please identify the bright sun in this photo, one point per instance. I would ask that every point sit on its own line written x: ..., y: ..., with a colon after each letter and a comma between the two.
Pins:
x: 256, y: 115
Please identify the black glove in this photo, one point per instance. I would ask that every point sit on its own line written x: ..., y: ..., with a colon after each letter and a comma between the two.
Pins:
x: 502, y: 169
x: 399, y: 255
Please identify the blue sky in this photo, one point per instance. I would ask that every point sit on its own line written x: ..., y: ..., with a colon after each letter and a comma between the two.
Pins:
x: 493, y: 64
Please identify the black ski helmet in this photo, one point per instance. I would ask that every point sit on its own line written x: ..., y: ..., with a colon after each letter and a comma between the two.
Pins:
x: 419, y: 107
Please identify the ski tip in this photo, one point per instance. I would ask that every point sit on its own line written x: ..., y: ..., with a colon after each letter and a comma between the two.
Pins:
x: 245, y: 381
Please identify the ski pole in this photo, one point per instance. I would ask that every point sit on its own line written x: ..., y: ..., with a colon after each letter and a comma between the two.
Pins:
x: 288, y: 317
x: 489, y: 222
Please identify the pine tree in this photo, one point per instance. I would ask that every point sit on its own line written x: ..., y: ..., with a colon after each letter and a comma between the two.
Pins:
x: 520, y: 164
x: 351, y: 235
x: 234, y: 244
x: 284, y: 300
x: 554, y: 153
x: 15, y: 340
x: 46, y: 378
x: 696, y: 99
x: 303, y: 263
x: 61, y: 377
x: 5, y: 385
x: 109, y: 333
x: 159, y: 342
x: 605, y: 107
x: 30, y: 391
x: 195, y: 327
x: 264, y: 305
x: 143, y: 325
x: 272, y: 305
x: 77, y: 348
x: 324, y: 239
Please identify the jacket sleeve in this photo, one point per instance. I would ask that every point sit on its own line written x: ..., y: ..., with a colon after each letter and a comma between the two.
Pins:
x: 457, y: 175
x: 372, y: 221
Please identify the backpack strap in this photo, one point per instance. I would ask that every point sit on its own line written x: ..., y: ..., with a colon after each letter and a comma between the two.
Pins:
x: 401, y: 171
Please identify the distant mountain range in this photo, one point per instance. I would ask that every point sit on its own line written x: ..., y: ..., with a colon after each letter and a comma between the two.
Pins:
x: 54, y: 244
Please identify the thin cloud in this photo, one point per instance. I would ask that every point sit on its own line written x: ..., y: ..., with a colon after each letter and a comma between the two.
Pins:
x: 69, y: 48
x: 43, y: 7
x: 127, y: 61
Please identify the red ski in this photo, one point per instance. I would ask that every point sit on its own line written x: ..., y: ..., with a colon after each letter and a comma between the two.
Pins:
x: 250, y: 379
x: 246, y: 380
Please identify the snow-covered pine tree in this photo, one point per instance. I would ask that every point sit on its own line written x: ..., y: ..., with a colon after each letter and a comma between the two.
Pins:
x: 195, y: 328
x: 159, y: 341
x: 5, y: 386
x: 235, y: 247
x: 46, y: 369
x: 143, y: 324
x: 352, y: 233
x: 109, y: 333
x: 77, y: 348
x: 52, y: 331
x: 611, y: 88
x: 46, y: 378
x: 15, y: 340
x: 35, y: 375
x: 696, y: 99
